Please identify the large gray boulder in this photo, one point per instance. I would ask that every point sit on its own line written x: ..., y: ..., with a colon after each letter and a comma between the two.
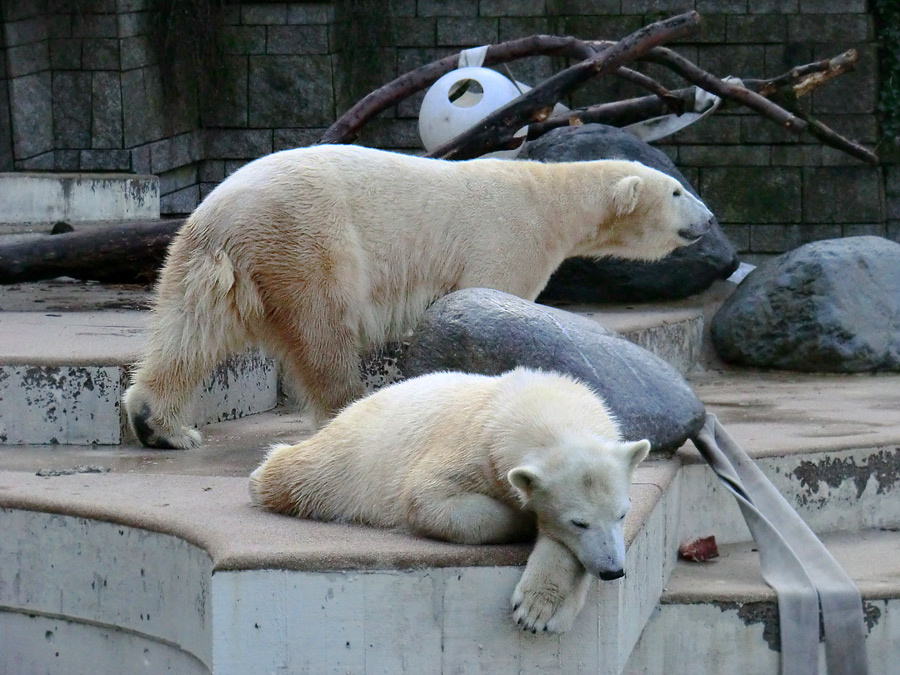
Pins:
x: 829, y: 306
x: 479, y: 330
x: 687, y: 271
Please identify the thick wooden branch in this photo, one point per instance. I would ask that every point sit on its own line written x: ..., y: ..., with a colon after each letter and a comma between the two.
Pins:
x: 127, y: 251
x: 498, y: 128
x: 617, y: 113
x: 672, y: 100
x: 757, y: 103
x: 348, y: 125
x: 802, y: 79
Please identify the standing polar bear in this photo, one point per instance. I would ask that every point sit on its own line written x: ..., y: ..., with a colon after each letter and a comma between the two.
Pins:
x: 319, y: 253
x: 476, y: 460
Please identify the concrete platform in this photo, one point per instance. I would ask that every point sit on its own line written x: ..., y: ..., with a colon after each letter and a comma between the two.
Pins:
x: 34, y: 201
x: 217, y: 576
x: 722, y: 617
x: 66, y: 349
x: 62, y: 376
x: 159, y: 559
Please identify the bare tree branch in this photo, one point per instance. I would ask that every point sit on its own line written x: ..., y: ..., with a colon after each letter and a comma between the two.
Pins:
x: 497, y: 129
x: 758, y: 103
x: 346, y: 127
x: 802, y: 79
x: 670, y: 99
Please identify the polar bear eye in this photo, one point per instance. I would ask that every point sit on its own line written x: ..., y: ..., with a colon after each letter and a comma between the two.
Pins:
x: 677, y: 193
x: 580, y: 524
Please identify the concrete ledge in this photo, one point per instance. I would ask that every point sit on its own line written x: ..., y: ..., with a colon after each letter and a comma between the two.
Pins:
x: 62, y: 376
x: 726, y: 602
x: 352, y: 598
x: 42, y: 198
x: 100, y: 583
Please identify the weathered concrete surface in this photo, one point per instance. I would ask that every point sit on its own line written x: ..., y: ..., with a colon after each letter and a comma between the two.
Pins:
x: 72, y: 295
x: 844, y: 490
x: 62, y: 376
x: 719, y: 616
x: 139, y: 590
x: 775, y: 413
x: 95, y: 338
x: 42, y: 198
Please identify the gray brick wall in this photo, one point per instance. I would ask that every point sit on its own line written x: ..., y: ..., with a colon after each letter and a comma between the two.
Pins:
x: 82, y: 90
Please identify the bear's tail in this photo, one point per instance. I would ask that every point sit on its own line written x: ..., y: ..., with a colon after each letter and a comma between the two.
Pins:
x: 204, y: 310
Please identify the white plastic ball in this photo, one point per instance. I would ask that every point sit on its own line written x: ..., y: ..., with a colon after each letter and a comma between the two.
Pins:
x: 441, y: 119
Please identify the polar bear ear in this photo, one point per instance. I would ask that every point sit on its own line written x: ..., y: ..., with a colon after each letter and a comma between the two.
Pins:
x: 525, y: 479
x: 626, y: 194
x: 636, y: 452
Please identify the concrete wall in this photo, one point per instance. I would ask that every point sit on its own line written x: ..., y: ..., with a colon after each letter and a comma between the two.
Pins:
x: 84, y: 90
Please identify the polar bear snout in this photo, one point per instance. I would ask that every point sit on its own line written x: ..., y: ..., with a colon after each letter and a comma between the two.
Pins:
x: 694, y: 232
x: 602, y: 551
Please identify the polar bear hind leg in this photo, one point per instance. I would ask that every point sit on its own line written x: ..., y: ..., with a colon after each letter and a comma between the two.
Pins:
x: 469, y: 518
x: 316, y: 336
x: 199, y: 318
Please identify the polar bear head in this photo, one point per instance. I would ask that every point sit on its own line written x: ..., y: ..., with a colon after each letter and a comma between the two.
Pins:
x: 579, y: 493
x: 646, y: 214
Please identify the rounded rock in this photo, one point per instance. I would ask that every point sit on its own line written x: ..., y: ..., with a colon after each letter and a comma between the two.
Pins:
x: 828, y: 306
x: 479, y: 330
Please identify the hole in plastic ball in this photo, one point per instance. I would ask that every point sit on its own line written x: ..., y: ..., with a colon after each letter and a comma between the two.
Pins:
x: 466, y: 93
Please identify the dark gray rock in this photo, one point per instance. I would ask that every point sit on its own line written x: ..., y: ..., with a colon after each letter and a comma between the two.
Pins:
x: 829, y: 306
x: 685, y: 272
x: 480, y: 330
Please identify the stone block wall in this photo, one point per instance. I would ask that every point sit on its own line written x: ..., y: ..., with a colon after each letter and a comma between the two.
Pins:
x: 81, y: 88
x: 84, y: 92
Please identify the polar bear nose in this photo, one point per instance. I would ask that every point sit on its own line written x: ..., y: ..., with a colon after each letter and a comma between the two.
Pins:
x: 609, y: 576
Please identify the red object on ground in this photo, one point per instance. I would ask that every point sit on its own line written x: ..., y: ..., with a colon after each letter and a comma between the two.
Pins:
x: 699, y: 550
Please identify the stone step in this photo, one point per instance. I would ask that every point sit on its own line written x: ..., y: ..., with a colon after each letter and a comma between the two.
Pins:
x: 721, y: 616
x: 34, y: 201
x: 66, y: 348
x: 217, y: 570
x: 830, y: 445
x: 369, y: 600
x: 62, y: 376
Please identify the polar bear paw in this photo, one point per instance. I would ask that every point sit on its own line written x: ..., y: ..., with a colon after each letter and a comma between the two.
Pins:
x: 149, y: 431
x: 544, y: 609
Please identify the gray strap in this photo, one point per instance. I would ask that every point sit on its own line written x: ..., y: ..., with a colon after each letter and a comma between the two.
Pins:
x: 795, y: 563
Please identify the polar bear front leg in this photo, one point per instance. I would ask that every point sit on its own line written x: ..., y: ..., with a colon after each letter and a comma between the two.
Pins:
x: 552, y: 589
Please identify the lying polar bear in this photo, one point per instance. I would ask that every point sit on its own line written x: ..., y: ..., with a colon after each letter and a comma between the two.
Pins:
x: 476, y: 460
x: 320, y: 253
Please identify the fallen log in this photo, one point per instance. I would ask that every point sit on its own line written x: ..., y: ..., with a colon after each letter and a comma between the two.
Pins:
x: 119, y: 252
